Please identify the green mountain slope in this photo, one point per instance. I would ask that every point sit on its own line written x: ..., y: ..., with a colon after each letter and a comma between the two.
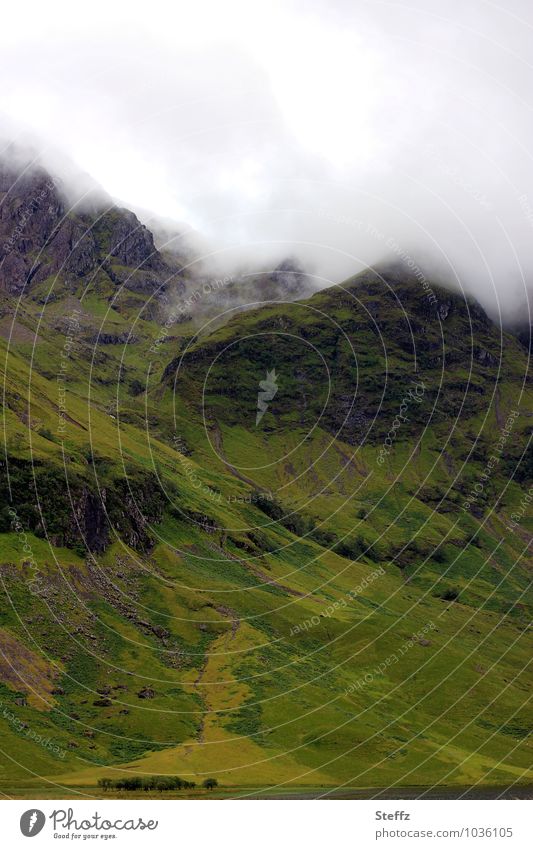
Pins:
x: 335, y: 593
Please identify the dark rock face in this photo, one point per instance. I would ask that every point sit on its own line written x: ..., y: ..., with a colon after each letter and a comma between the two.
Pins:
x: 290, y: 276
x: 83, y: 524
x: 92, y: 520
x: 125, y: 338
x: 129, y: 241
x: 130, y: 506
x: 79, y: 516
x: 146, y: 693
x: 40, y: 237
x: 72, y: 249
x: 444, y: 310
x: 134, y: 504
x: 485, y: 357
x: 30, y: 211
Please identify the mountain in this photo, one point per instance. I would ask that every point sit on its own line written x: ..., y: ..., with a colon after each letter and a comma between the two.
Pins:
x: 335, y: 593
x: 41, y: 237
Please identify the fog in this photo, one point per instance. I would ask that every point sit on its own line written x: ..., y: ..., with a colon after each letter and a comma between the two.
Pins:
x: 342, y: 133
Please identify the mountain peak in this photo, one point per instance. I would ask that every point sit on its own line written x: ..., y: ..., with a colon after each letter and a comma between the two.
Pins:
x: 42, y: 235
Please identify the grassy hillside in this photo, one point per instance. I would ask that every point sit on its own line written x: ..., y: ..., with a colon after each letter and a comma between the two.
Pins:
x: 336, y: 596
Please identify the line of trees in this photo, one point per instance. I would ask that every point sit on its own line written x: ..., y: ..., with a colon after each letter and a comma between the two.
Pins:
x: 157, y: 783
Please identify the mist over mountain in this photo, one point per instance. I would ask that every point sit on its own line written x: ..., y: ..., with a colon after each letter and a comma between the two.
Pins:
x: 64, y: 223
x: 265, y: 333
x: 339, y: 133
x: 233, y: 488
x: 60, y: 233
x: 218, y: 519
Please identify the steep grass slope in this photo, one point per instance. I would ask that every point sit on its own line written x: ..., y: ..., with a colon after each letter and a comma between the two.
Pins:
x: 335, y: 594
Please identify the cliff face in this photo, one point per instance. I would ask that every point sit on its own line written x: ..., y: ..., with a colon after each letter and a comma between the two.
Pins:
x: 40, y: 236
x: 74, y: 513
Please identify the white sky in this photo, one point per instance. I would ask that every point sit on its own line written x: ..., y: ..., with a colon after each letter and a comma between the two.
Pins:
x: 297, y: 125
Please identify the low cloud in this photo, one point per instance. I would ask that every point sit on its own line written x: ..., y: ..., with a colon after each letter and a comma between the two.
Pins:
x: 321, y: 130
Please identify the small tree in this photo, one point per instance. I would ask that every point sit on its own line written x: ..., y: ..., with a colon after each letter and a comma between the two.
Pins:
x: 439, y: 555
x: 105, y: 783
x: 450, y: 594
x: 210, y: 783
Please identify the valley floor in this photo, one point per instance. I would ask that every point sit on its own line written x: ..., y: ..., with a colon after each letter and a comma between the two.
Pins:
x: 519, y: 791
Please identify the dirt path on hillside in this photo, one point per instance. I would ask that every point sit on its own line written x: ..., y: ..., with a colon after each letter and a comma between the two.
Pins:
x: 264, y: 577
x: 219, y: 445
x: 228, y: 637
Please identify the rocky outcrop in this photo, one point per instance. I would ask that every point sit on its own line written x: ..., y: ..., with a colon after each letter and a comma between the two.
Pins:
x: 291, y: 277
x: 42, y: 236
x: 79, y: 516
x: 125, y: 338
x: 122, y: 236
x: 91, y: 520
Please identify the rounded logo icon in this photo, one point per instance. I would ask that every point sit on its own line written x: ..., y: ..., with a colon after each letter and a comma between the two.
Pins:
x: 32, y: 822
